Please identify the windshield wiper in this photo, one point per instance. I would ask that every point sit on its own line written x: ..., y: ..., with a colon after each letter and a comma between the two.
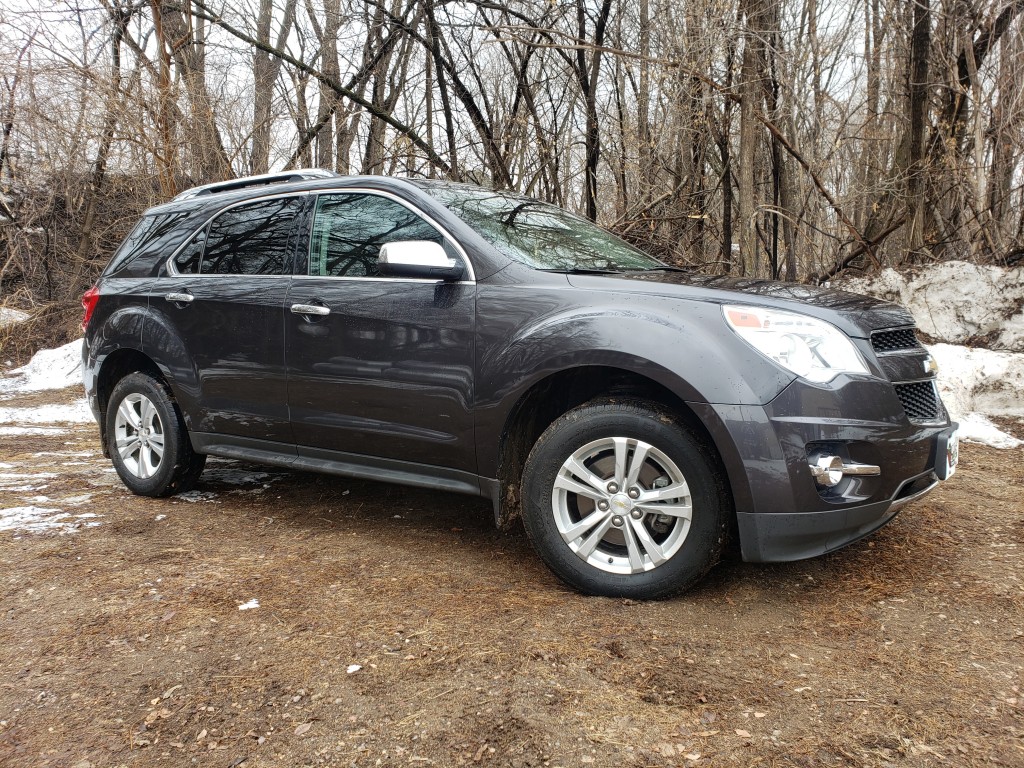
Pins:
x: 664, y: 268
x: 581, y: 271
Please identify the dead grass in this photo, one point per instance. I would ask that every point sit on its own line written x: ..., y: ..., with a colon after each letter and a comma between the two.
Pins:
x: 51, y: 325
x: 124, y: 645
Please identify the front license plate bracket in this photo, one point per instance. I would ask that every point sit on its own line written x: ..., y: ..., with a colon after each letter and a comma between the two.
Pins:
x: 947, y: 454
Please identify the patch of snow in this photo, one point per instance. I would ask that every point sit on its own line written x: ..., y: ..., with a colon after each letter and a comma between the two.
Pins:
x: 77, y: 501
x: 33, y: 519
x: 249, y: 605
x: 977, y: 383
x: 955, y: 300
x: 76, y: 413
x: 194, y: 496
x: 48, y: 369
x: 982, y: 380
x: 30, y: 431
x: 10, y: 316
x: 26, y: 475
x: 158, y: 518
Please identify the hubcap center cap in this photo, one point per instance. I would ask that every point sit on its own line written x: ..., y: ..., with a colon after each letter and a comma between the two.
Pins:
x: 620, y: 504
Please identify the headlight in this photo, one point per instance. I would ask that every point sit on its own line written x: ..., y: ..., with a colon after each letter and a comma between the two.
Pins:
x: 810, y: 348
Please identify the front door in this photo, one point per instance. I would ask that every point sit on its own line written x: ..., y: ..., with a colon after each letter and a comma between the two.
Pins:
x: 378, y: 366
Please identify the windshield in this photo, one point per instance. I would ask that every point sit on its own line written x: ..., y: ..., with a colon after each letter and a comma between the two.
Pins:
x: 539, y: 235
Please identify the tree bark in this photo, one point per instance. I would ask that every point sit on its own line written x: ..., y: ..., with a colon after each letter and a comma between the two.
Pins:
x: 265, y: 71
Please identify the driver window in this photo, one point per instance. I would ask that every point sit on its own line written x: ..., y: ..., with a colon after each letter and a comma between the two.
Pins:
x: 350, y: 228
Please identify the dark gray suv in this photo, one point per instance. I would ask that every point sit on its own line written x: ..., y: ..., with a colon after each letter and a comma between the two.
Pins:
x: 440, y: 335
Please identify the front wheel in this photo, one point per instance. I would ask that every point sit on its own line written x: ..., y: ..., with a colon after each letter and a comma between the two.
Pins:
x: 147, y: 439
x: 620, y: 500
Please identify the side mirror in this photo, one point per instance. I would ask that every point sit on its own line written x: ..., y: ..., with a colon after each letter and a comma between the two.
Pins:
x: 417, y: 258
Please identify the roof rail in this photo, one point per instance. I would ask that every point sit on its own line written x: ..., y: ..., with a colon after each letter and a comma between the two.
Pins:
x: 301, y: 174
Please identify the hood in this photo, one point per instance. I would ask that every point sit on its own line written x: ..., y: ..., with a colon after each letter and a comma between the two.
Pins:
x: 857, y: 315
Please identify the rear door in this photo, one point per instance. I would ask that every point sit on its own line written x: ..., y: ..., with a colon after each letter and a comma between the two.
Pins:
x: 383, y: 367
x: 223, y: 299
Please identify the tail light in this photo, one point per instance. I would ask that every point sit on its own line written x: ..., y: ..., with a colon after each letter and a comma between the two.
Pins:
x: 89, y: 301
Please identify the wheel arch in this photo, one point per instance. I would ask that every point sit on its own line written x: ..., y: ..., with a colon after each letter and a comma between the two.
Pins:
x: 550, y: 397
x: 116, y: 365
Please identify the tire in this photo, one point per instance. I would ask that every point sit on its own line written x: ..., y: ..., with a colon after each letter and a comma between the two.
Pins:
x: 147, y: 439
x: 652, y: 539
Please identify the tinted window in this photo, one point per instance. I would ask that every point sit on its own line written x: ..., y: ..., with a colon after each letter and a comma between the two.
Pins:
x: 252, y: 239
x: 187, y: 260
x: 349, y: 229
x: 149, y: 229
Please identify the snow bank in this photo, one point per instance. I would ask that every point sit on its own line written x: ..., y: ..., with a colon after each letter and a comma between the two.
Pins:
x: 977, y: 383
x: 955, y: 301
x: 48, y: 369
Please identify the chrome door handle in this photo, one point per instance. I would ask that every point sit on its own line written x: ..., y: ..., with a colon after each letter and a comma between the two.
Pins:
x: 310, y: 309
x: 180, y: 298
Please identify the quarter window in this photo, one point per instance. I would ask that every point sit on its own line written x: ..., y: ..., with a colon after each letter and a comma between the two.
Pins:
x: 252, y: 239
x: 188, y: 259
x: 349, y: 229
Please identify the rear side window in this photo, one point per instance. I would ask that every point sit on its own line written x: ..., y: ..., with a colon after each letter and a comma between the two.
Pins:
x: 249, y: 239
x: 350, y: 228
x: 150, y: 229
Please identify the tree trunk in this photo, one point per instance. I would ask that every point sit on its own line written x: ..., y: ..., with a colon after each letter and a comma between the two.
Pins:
x: 265, y: 70
x: 188, y: 46
x: 751, y: 90
x: 119, y: 18
x: 920, y: 46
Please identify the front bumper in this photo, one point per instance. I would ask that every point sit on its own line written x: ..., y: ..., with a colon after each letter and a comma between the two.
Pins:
x: 781, y: 537
x: 782, y: 513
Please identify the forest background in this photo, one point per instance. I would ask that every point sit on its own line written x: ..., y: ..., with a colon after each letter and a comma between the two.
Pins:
x: 790, y: 139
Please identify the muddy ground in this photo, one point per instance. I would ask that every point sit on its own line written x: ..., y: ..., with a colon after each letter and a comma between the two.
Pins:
x: 395, y: 626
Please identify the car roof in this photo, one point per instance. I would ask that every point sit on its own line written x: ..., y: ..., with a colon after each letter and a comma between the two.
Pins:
x: 219, y: 194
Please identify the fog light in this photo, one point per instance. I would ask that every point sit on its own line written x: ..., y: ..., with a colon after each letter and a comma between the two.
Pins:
x: 827, y: 470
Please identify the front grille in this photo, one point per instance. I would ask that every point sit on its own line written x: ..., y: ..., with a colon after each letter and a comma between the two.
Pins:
x: 890, y: 341
x: 919, y: 399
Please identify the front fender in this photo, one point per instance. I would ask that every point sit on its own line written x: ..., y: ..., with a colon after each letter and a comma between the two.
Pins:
x: 692, y: 353
x: 684, y: 346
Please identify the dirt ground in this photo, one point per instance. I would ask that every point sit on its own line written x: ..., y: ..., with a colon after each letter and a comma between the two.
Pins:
x: 395, y: 626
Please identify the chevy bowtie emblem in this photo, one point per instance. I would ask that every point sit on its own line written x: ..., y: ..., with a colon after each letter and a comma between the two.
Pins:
x: 930, y: 366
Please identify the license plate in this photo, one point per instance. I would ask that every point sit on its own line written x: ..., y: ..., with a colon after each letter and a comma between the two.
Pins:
x: 948, y: 454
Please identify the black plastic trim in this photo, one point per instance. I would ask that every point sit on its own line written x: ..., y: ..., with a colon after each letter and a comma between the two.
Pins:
x: 344, y: 464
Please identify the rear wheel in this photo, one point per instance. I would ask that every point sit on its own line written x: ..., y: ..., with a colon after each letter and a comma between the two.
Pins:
x: 621, y: 500
x: 147, y: 439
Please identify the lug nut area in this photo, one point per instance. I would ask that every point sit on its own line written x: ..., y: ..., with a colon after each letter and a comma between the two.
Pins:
x: 617, y: 521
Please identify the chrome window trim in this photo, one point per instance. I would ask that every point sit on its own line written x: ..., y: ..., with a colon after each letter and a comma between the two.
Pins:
x: 172, y: 270
x: 432, y: 281
x: 414, y: 209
